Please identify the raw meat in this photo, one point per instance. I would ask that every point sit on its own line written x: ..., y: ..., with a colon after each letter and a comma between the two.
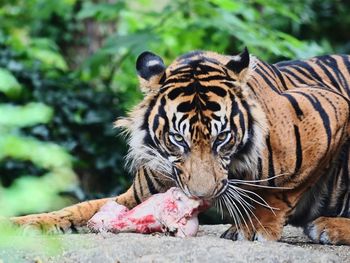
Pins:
x: 172, y: 212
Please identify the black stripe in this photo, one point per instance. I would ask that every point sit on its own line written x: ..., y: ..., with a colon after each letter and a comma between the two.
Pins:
x: 346, y: 62
x: 186, y: 106
x: 145, y: 126
x: 291, y: 81
x: 211, y: 78
x: 244, y: 147
x: 323, y: 114
x: 175, y: 93
x: 139, y: 182
x: 213, y: 106
x: 295, y: 76
x: 158, y: 181
x: 260, y: 169
x: 271, y: 166
x: 298, y: 150
x: 152, y: 189
x: 178, y: 177
x: 234, y: 112
x: 250, y: 85
x: 295, y: 105
x: 178, y: 126
x: 137, y: 198
x: 263, y: 66
x: 268, y: 82
x: 217, y: 90
x: 309, y: 70
x: 328, y: 74
x: 310, y: 75
x: 280, y: 77
x: 332, y: 105
x: 332, y: 62
x: 161, y: 113
x: 176, y: 81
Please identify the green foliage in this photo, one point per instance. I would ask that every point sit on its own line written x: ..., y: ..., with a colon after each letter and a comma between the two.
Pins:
x: 9, y: 84
x: 101, y: 11
x: 177, y: 27
x: 16, y: 146
x: 26, y: 115
x: 66, y: 112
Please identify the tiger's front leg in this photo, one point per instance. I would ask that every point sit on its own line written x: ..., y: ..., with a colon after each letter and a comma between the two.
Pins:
x: 69, y: 219
x: 263, y: 223
x: 75, y: 217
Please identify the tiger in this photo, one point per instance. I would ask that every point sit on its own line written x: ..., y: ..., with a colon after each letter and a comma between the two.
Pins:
x: 268, y: 144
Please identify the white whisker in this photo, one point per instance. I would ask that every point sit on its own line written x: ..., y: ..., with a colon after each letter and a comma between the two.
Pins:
x: 239, y: 211
x: 263, y: 203
x: 256, y: 218
x: 249, y: 206
x: 260, y: 180
x: 231, y: 211
x: 221, y: 208
x: 233, y: 196
x: 260, y: 186
x: 245, y: 205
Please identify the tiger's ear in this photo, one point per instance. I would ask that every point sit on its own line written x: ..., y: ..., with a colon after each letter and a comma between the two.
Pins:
x: 239, y: 64
x: 150, y: 69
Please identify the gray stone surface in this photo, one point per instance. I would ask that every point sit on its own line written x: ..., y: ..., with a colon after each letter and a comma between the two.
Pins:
x: 206, y: 247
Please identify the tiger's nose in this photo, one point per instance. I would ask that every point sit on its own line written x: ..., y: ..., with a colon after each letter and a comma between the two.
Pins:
x: 224, y: 181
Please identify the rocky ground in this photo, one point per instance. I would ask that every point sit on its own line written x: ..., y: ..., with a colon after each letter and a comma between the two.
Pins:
x: 206, y: 247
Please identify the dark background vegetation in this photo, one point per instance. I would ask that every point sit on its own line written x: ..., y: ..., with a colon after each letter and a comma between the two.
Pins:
x: 67, y: 72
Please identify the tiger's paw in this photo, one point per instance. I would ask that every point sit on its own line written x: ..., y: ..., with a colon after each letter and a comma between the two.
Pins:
x: 243, y: 233
x: 329, y: 231
x: 39, y: 224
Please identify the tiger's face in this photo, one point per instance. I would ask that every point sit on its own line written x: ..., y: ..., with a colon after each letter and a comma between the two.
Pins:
x: 195, y: 120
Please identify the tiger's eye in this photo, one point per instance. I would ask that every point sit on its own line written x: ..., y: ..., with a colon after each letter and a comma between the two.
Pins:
x: 222, y: 136
x: 178, y: 137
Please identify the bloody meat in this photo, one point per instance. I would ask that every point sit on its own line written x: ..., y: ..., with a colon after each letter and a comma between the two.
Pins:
x: 170, y: 212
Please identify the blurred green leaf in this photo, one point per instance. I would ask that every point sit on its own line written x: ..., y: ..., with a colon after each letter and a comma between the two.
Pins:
x: 100, y: 11
x: 21, y: 116
x: 117, y: 46
x: 9, y: 84
x: 48, y: 57
x: 43, y: 154
x: 31, y: 191
x: 117, y: 43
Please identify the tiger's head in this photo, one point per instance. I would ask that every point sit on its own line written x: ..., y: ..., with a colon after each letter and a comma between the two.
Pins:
x: 198, y: 123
